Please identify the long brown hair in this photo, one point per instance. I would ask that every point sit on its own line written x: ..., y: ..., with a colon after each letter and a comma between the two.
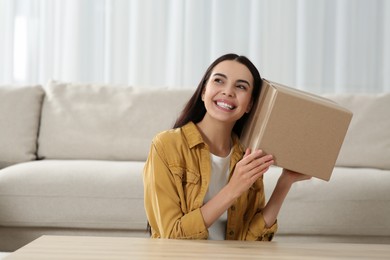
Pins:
x: 195, y: 110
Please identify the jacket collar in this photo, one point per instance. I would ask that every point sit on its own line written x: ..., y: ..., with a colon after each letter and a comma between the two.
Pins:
x: 194, y: 138
x: 192, y: 134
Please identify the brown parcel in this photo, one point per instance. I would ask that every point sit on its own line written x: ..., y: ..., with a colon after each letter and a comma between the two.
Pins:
x: 303, y: 132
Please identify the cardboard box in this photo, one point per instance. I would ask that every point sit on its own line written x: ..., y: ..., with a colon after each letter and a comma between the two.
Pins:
x: 303, y: 132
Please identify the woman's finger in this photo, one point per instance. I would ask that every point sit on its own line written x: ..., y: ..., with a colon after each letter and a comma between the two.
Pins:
x: 260, y: 163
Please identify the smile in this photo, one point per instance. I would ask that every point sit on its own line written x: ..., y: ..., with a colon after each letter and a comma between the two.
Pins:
x: 225, y: 105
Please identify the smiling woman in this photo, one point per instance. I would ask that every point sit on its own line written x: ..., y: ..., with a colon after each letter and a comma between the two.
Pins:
x: 199, y: 181
x: 317, y: 46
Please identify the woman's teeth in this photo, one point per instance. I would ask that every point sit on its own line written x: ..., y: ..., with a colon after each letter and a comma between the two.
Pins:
x: 224, y: 105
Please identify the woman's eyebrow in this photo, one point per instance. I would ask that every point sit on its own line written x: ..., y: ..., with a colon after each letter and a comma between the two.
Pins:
x: 243, y: 81
x: 220, y: 74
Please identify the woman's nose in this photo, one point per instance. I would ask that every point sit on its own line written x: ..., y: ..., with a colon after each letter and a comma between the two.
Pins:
x: 228, y: 91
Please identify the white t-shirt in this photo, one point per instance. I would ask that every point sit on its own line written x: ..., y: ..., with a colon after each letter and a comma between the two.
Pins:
x: 218, y: 179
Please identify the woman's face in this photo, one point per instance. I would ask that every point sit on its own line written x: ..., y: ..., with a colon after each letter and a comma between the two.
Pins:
x: 228, y: 92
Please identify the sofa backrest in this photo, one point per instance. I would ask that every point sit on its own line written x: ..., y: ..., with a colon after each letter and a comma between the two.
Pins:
x: 20, y: 108
x: 105, y: 122
x: 367, y: 143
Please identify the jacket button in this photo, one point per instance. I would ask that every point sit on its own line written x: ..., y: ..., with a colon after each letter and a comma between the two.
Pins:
x: 231, y: 233
x: 233, y: 207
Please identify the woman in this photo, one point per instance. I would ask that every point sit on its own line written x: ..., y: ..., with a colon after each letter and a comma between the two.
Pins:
x: 199, y: 181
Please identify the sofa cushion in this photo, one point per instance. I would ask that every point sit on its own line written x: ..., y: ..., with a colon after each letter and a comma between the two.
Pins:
x: 105, y: 122
x: 20, y: 109
x: 356, y: 202
x: 367, y: 143
x: 73, y: 194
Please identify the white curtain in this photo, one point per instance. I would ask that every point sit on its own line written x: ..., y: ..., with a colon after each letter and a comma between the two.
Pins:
x: 323, y: 46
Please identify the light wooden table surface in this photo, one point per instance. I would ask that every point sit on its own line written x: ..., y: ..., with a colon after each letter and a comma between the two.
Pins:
x: 79, y: 247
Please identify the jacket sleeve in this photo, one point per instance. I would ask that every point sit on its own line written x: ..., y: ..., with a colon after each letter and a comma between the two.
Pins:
x: 257, y: 229
x: 163, y: 199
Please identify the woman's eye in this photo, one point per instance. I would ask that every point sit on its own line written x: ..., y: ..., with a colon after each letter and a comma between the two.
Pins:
x: 241, y: 87
x: 218, y: 80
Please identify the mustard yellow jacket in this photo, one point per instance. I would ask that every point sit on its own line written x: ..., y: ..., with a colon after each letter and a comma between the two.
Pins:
x: 176, y: 179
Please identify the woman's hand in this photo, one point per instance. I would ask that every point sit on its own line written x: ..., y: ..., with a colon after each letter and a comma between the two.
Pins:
x: 290, y: 176
x: 251, y: 167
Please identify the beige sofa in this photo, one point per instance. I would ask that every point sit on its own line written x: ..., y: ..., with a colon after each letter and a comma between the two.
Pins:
x: 71, y: 159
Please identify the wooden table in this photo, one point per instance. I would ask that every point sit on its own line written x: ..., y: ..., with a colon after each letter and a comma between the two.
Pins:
x: 78, y: 247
